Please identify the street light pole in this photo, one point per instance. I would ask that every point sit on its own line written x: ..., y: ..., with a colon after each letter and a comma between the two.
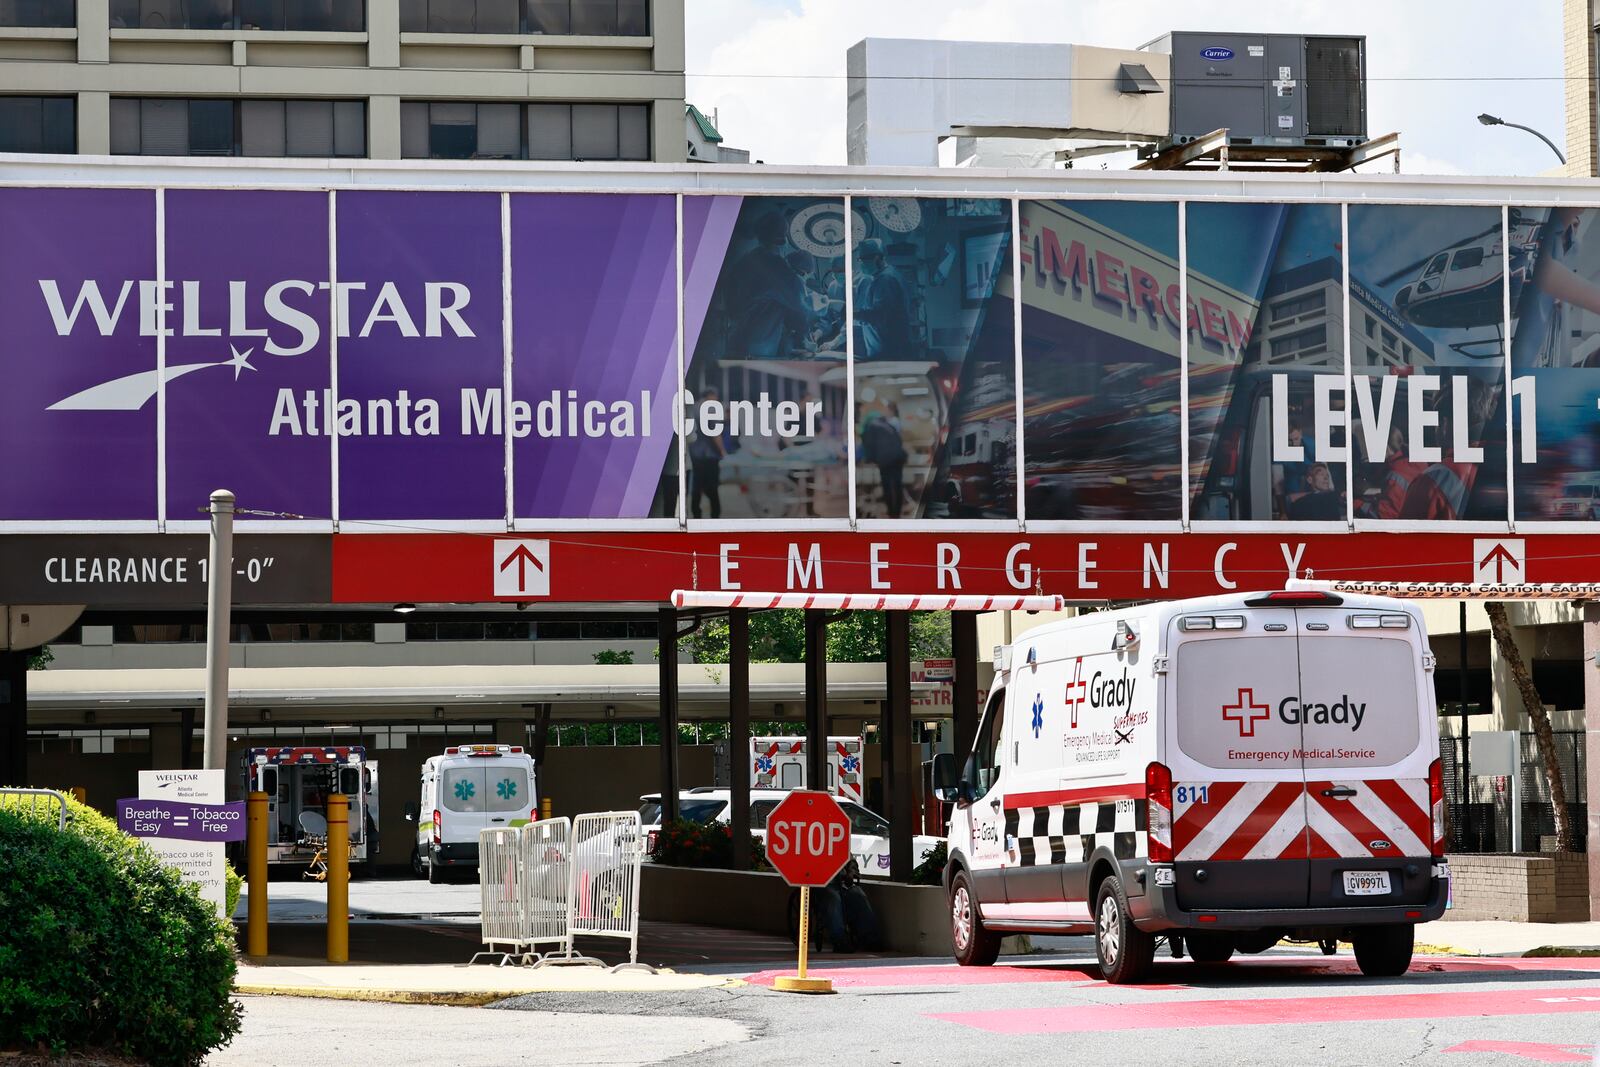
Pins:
x: 219, y: 610
x: 1492, y: 120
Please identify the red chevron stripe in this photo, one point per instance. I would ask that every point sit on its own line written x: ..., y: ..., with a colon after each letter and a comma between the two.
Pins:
x: 1265, y: 816
x: 1397, y: 800
x: 1198, y: 816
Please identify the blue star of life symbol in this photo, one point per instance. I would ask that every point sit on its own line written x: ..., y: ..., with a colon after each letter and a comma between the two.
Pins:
x: 849, y: 764
x: 1038, y: 713
x: 763, y: 764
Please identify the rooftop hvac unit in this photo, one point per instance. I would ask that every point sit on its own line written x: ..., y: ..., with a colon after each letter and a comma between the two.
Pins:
x: 1267, y: 88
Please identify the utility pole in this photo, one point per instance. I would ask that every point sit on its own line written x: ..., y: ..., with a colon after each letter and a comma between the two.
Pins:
x: 219, y: 612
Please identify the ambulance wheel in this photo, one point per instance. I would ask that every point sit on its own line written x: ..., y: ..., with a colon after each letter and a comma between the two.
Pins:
x: 1210, y: 948
x: 435, y: 874
x: 974, y: 946
x: 417, y: 869
x: 1384, y: 951
x: 1125, y: 951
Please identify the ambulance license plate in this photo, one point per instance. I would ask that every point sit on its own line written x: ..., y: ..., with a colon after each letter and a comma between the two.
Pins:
x: 1366, y: 883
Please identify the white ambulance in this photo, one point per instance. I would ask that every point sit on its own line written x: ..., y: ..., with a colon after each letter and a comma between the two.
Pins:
x: 1219, y: 774
x: 780, y: 763
x: 468, y: 789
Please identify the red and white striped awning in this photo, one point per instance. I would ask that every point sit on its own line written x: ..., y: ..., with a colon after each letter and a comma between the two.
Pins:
x: 1456, y: 590
x: 706, y: 598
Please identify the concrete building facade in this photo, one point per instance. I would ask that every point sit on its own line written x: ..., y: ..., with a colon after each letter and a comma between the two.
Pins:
x: 378, y: 79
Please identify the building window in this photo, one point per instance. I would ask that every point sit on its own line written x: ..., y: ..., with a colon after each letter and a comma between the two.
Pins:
x: 449, y: 130
x: 314, y: 16
x: 38, y: 124
x: 159, y: 126
x: 1306, y: 341
x: 1316, y: 300
x: 55, y: 13
x: 598, y: 18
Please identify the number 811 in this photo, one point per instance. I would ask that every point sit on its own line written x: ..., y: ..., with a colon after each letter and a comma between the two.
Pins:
x: 1193, y: 794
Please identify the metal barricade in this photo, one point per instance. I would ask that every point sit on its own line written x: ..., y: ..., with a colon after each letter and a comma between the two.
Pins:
x: 501, y: 871
x: 546, y: 849
x: 607, y: 851
x: 35, y: 801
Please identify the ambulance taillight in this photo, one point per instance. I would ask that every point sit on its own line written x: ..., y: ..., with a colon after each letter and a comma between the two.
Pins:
x: 1158, y: 798
x: 1436, y: 804
x: 438, y: 819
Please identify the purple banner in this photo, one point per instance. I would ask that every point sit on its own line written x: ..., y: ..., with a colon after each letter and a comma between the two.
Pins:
x: 594, y: 317
x: 77, y: 356
x: 178, y: 820
x: 422, y: 356
x: 248, y: 378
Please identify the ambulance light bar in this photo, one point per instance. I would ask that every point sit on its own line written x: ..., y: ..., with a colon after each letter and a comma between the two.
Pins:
x: 1296, y: 598
x: 1380, y: 622
x: 1211, y: 622
x: 482, y: 750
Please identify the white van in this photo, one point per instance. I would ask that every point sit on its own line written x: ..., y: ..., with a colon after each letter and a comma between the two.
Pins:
x: 1219, y: 774
x: 468, y: 789
x: 780, y: 763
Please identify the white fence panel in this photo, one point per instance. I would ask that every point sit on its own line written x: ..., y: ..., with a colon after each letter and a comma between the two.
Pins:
x: 607, y: 851
x: 501, y: 877
x: 546, y: 850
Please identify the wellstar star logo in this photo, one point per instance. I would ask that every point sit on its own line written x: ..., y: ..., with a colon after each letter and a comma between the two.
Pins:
x: 277, y: 319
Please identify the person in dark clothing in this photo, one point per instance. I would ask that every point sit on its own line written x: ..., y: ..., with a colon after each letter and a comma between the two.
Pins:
x: 766, y: 297
x: 883, y: 443
x: 883, y: 306
x: 705, y: 468
x: 843, y: 916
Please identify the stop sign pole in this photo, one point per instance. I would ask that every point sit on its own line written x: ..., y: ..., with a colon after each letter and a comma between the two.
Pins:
x: 808, y: 842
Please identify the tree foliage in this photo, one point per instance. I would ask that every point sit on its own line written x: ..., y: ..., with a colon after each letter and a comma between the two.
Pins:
x: 780, y: 637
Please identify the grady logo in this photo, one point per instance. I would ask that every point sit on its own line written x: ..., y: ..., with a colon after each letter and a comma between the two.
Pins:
x: 1245, y: 712
x: 279, y: 317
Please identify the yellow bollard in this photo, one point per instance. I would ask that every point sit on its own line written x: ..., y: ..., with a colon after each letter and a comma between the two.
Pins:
x: 544, y: 807
x: 338, y: 878
x: 255, y: 938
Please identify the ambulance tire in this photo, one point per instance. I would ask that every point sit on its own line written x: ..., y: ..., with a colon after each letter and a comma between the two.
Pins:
x: 435, y: 874
x: 417, y: 869
x: 1384, y: 951
x: 974, y: 946
x: 1126, y: 953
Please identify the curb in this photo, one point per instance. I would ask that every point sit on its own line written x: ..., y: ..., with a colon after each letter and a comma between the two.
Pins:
x: 377, y: 996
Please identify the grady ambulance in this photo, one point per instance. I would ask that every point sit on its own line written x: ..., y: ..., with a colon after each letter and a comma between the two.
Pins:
x: 468, y: 789
x: 1219, y: 773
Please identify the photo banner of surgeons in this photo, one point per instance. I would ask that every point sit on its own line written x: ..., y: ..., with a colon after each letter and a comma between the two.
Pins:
x: 574, y: 409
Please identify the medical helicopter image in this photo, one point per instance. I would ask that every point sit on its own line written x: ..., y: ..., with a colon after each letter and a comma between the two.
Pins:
x: 1458, y: 287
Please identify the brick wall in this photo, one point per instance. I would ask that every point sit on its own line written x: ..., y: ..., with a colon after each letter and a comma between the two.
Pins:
x: 1543, y: 888
x: 1578, y: 60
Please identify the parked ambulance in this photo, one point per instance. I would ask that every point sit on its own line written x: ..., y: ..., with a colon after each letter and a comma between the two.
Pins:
x: 1219, y: 774
x: 468, y: 789
x: 780, y: 763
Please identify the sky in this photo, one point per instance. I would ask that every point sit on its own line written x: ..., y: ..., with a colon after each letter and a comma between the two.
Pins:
x: 774, y: 69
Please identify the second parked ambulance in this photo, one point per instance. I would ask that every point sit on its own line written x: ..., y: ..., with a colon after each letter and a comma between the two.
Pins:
x: 1219, y: 774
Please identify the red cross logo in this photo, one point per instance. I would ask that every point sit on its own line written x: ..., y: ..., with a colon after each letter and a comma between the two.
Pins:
x: 1077, y: 691
x: 1246, y: 713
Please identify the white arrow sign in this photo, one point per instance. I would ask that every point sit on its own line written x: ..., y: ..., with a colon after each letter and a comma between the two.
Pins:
x: 521, y: 568
x: 1499, y: 560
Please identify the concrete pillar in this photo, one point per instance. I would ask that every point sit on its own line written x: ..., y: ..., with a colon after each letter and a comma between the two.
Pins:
x: 94, y: 31
x: 668, y: 140
x: 94, y: 124
x: 383, y: 127
x: 816, y: 625
x: 1591, y: 743
x: 964, y: 698
x: 667, y: 635
x: 900, y: 768
x: 383, y: 35
x: 166, y: 747
x: 1578, y: 61
x: 13, y: 718
x: 739, y: 735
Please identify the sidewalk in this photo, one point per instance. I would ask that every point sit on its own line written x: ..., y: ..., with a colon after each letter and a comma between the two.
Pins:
x: 445, y: 983
x: 1509, y: 938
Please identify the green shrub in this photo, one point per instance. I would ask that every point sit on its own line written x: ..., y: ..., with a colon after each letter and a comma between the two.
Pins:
x: 106, y: 948
x: 686, y: 843
x: 931, y: 870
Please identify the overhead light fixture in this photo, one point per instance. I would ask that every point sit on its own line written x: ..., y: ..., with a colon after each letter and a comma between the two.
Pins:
x: 88, y: 717
x: 266, y: 714
x: 611, y: 711
x: 438, y: 713
x: 404, y: 609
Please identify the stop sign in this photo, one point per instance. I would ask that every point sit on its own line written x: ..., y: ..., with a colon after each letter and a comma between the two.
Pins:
x: 808, y: 838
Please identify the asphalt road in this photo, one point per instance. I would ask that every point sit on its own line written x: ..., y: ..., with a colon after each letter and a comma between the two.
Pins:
x: 1281, y: 1008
